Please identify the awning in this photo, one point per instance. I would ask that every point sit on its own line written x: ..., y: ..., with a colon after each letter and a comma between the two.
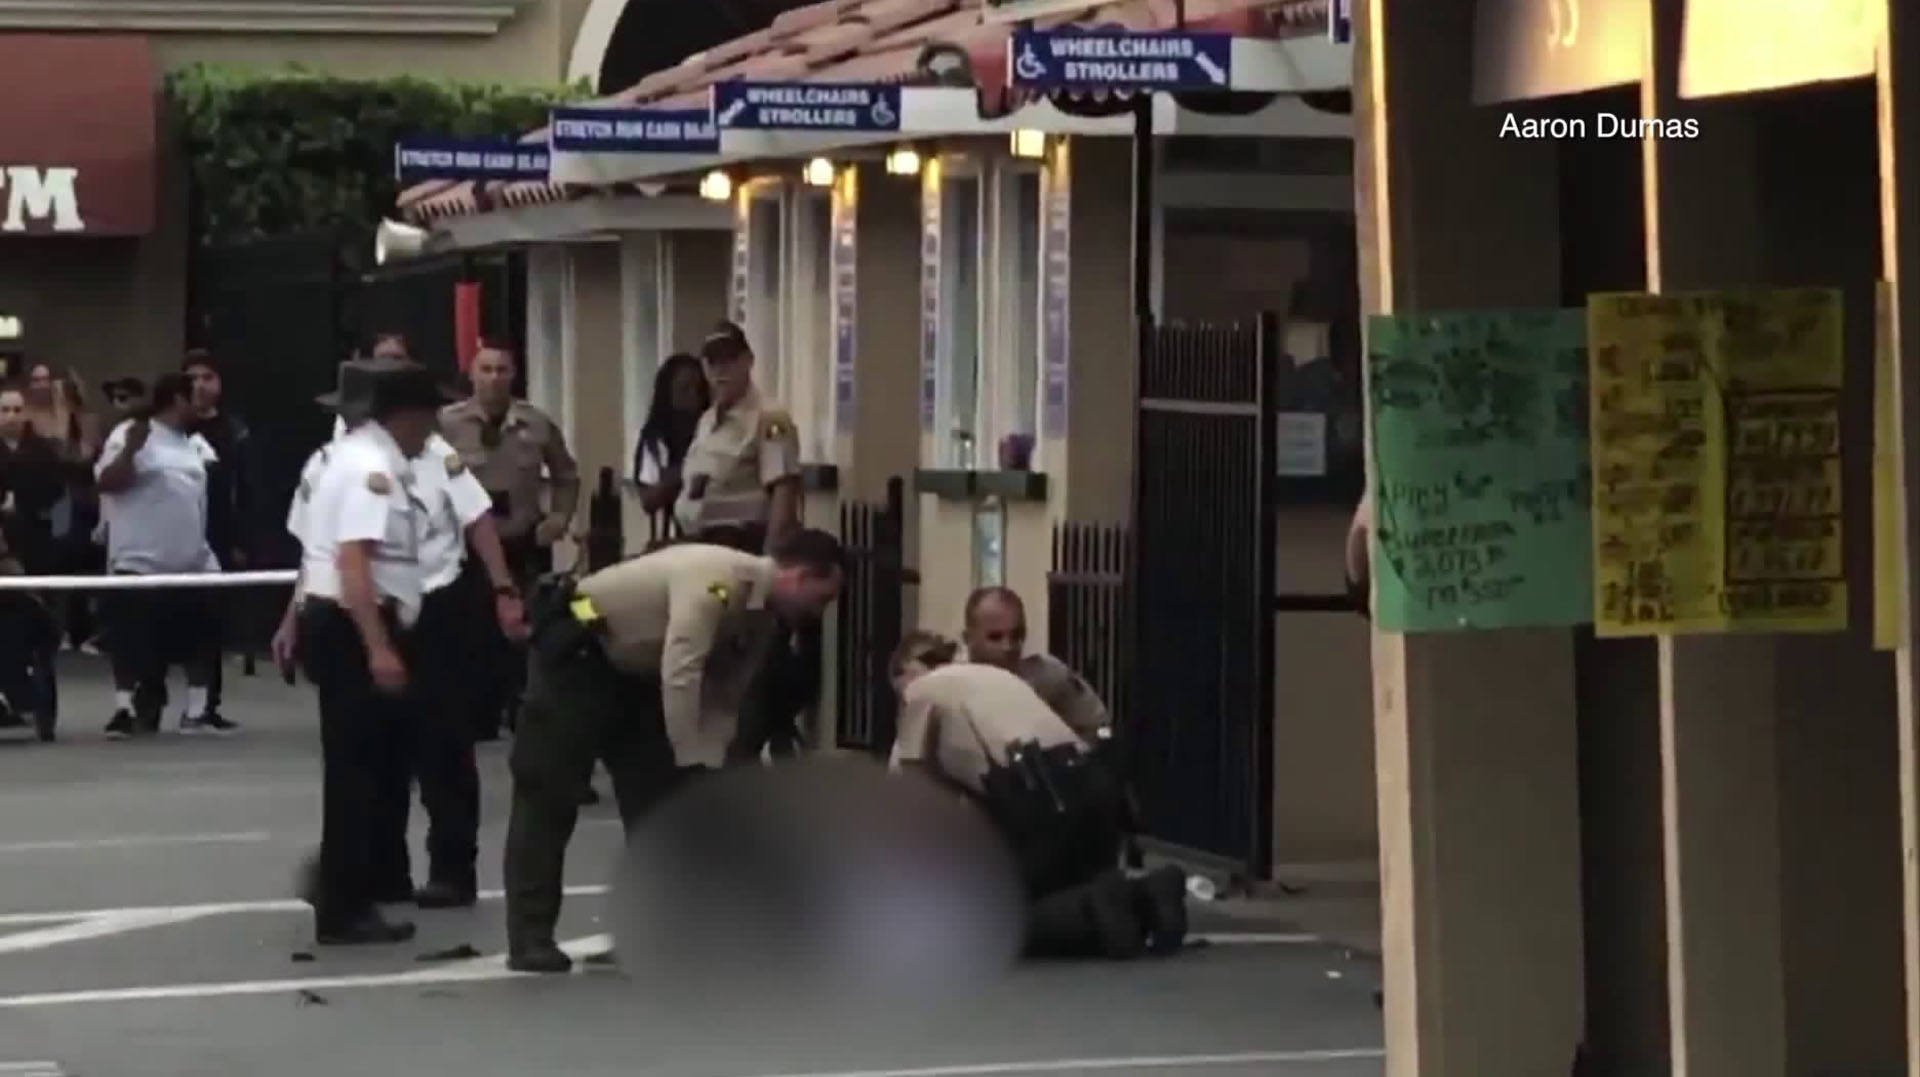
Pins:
x: 881, y: 41
x: 77, y: 142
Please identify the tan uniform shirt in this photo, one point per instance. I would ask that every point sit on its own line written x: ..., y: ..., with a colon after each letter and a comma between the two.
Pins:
x: 958, y: 719
x: 529, y: 458
x: 733, y: 460
x: 1067, y: 693
x: 696, y: 615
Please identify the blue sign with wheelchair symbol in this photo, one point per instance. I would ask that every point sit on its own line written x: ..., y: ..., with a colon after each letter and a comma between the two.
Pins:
x: 806, y: 106
x: 1120, y: 60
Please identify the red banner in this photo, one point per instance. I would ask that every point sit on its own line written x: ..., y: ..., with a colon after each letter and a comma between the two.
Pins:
x: 466, y: 323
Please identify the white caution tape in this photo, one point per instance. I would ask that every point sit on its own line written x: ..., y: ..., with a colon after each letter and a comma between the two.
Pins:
x: 276, y: 578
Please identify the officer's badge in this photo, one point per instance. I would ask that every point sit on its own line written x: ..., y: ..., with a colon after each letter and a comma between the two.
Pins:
x: 379, y: 483
x: 719, y: 591
x: 455, y: 465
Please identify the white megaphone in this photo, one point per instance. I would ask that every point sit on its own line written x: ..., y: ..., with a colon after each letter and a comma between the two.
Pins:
x: 394, y: 241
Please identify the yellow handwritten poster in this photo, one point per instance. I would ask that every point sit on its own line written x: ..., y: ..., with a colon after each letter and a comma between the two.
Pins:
x: 1889, y: 575
x: 1715, y: 422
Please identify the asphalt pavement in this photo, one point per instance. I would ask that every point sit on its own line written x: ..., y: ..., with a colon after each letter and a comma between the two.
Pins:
x: 147, y: 927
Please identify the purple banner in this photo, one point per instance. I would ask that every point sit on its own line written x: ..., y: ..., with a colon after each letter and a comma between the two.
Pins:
x: 929, y: 304
x: 845, y: 249
x: 1055, y: 292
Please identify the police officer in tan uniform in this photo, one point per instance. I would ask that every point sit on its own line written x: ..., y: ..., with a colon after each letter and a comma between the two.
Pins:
x: 741, y: 479
x: 996, y: 635
x: 983, y: 732
x: 643, y: 665
x: 741, y: 488
x: 520, y: 456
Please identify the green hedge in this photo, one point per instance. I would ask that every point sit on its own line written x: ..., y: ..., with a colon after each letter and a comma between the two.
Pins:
x: 295, y: 152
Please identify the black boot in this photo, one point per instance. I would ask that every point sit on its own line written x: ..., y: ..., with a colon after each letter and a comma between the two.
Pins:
x: 1116, y: 924
x: 371, y: 929
x: 1161, y: 899
x: 541, y: 957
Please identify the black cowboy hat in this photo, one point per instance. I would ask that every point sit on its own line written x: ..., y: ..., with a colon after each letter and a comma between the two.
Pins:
x: 361, y: 377
x: 402, y: 385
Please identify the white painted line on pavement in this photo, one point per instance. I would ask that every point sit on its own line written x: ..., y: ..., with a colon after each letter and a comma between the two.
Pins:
x: 475, y: 970
x: 89, y: 927
x: 1258, y: 938
x: 33, y: 1069
x: 494, y: 967
x: 219, y: 908
x: 135, y: 841
x: 1136, y: 1062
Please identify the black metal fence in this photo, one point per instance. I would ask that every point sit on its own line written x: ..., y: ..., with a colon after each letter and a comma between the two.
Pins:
x: 1204, y: 542
x: 872, y: 609
x: 1089, y: 610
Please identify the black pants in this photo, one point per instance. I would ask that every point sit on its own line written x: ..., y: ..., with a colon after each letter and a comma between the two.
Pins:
x: 150, y: 630
x: 1066, y: 849
x: 440, y: 738
x: 363, y: 742
x: 29, y: 637
x: 788, y: 683
x: 578, y: 710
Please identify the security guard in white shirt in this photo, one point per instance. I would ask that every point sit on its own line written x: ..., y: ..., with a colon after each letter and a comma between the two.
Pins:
x: 364, y: 587
x: 349, y: 401
x: 457, y: 511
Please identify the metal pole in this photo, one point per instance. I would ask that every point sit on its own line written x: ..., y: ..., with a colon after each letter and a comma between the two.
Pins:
x: 1143, y: 252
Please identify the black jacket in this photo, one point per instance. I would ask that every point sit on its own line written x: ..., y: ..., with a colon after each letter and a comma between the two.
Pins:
x: 36, y: 479
x: 232, y: 485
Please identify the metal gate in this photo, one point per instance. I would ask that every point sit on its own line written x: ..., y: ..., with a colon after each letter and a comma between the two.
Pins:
x: 872, y: 610
x: 1201, y: 741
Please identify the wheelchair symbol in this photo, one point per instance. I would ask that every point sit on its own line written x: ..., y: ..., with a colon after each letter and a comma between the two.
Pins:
x: 1029, y: 66
x: 883, y: 115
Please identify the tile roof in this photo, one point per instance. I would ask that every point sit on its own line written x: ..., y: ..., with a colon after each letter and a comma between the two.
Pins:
x: 864, y: 41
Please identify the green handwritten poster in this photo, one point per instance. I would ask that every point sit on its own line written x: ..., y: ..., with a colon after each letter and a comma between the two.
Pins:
x: 1481, y: 485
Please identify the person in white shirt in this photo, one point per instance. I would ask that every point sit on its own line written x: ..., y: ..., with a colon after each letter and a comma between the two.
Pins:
x: 363, y: 587
x: 152, y: 477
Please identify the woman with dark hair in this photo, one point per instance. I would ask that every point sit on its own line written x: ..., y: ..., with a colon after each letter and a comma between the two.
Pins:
x: 680, y: 395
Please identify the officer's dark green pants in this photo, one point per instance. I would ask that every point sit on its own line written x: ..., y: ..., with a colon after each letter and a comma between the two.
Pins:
x: 579, y: 710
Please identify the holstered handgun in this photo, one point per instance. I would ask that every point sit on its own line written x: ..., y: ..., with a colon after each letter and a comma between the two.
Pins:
x: 556, y: 634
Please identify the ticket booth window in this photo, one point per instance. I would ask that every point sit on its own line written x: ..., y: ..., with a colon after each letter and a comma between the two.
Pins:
x: 766, y: 299
x: 808, y: 343
x: 960, y: 337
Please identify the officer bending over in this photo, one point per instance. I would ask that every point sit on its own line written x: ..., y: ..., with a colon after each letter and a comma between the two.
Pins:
x: 982, y: 731
x: 362, y: 583
x: 644, y: 665
x: 996, y: 635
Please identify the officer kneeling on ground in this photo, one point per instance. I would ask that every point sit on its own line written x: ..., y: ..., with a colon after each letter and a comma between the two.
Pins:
x: 985, y: 732
x: 644, y: 665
